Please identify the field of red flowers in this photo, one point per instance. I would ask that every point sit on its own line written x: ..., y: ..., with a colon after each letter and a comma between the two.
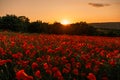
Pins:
x: 58, y: 57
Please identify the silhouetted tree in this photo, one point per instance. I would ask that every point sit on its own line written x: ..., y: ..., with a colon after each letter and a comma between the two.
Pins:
x: 57, y: 28
x: 9, y: 22
x: 0, y: 23
x: 22, y: 24
x: 46, y: 28
x: 35, y: 27
x: 14, y: 23
x: 82, y: 28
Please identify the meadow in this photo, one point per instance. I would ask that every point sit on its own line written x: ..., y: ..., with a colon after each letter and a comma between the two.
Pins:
x: 58, y: 57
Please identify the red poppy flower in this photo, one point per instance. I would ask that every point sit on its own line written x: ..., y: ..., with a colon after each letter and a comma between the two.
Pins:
x: 2, y: 62
x: 27, y: 52
x: 75, y: 71
x: 57, y: 74
x: 34, y: 65
x: 91, y: 76
x: 88, y: 65
x: 17, y: 55
x: 38, y: 74
x: 21, y: 75
x: 78, y: 65
x: 65, y: 70
x: 68, y: 66
x: 45, y: 65
x: 39, y: 60
x: 112, y: 62
x: 54, y: 69
x: 48, y: 71
x: 12, y: 44
x: 29, y: 78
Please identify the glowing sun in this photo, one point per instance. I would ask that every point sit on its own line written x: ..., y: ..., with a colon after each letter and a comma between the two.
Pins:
x: 65, y: 22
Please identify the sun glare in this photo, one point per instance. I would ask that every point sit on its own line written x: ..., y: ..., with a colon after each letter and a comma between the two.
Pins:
x: 65, y: 22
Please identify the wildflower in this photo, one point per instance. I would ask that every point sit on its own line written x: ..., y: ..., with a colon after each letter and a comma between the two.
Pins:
x: 57, y: 74
x: 25, y: 63
x: 2, y: 51
x: 34, y: 65
x: 22, y: 75
x: 68, y: 66
x: 17, y: 55
x: 27, y: 52
x: 65, y: 70
x: 2, y: 62
x: 54, y: 69
x: 39, y: 59
x: 38, y: 74
x: 91, y: 76
x: 29, y: 78
x: 50, y: 51
x: 96, y: 68
x: 88, y: 65
x: 78, y: 65
x: 75, y: 71
x: 12, y: 44
x: 48, y: 71
x: 72, y: 60
x: 112, y: 62
x: 45, y: 65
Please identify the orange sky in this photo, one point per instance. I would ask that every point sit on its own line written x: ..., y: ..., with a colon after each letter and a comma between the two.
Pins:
x: 58, y: 10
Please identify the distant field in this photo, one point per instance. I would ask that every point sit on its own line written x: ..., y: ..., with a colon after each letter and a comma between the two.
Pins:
x: 58, y: 57
x: 109, y: 25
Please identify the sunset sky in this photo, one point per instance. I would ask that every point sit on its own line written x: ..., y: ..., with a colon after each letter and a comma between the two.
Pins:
x: 58, y: 10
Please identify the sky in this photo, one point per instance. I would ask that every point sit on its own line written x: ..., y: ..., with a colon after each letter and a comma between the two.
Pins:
x: 57, y: 10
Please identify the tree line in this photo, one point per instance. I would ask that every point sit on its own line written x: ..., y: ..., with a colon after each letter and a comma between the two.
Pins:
x: 23, y: 24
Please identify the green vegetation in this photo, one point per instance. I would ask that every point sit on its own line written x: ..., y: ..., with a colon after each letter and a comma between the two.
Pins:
x: 22, y: 24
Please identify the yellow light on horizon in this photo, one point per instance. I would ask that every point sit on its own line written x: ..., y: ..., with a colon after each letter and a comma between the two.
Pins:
x: 65, y: 22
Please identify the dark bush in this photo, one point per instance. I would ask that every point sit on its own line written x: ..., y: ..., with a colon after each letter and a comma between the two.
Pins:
x: 22, y: 24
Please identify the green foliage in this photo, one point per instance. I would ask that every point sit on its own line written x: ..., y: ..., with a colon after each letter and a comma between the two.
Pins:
x: 22, y: 24
x: 14, y: 23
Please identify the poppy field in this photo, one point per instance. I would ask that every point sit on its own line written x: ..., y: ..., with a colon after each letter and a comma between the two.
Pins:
x: 58, y: 57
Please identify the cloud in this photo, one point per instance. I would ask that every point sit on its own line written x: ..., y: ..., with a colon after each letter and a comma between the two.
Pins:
x: 98, y: 4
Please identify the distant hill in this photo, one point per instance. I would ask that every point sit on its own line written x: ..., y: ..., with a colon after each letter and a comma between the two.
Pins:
x: 107, y: 25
